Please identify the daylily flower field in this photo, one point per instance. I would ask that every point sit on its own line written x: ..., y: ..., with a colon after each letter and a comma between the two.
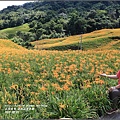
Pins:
x: 55, y: 83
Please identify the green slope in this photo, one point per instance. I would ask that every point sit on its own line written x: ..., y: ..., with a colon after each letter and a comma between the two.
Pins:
x: 10, y: 32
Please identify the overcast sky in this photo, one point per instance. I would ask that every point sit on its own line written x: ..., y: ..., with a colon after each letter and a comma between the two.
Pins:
x: 4, y: 4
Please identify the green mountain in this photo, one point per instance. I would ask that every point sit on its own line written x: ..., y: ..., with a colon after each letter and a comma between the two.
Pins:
x: 58, y: 19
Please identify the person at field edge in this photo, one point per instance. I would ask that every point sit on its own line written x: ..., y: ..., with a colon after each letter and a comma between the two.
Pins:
x: 114, y: 91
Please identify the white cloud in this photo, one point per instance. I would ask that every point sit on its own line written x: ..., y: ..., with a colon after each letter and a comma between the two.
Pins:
x: 4, y: 4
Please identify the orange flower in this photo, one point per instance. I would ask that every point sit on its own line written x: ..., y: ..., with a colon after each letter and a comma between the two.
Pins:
x: 68, y: 77
x: 62, y: 75
x: 43, y: 88
x: 14, y: 86
x: 9, y: 102
x: 15, y: 103
x: 37, y: 102
x: 55, y: 74
x: 32, y: 101
x: 25, y: 79
x: 102, y: 82
x: 72, y: 67
x: 69, y: 83
x: 28, y: 85
x: 62, y: 106
x: 53, y: 93
x: 56, y: 86
x: 99, y: 82
x: 66, y: 87
x: 33, y: 93
x: 87, y: 86
x: 9, y: 70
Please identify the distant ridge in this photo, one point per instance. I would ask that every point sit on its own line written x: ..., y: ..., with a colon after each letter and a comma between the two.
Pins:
x: 99, y: 39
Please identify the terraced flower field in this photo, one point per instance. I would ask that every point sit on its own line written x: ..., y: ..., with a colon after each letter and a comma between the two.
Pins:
x: 91, y: 39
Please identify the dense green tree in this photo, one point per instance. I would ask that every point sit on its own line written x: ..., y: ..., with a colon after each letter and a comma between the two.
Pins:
x: 92, y: 25
x: 71, y: 24
x: 38, y: 25
x: 20, y: 21
x: 32, y: 24
x: 13, y: 22
x: 117, y: 13
x: 21, y: 42
x: 26, y: 36
x: 80, y: 26
x: 58, y: 28
x: 1, y: 25
x: 39, y: 33
x: 92, y: 14
x: 6, y: 23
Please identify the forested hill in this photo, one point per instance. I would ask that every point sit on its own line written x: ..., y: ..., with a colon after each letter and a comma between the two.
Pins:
x: 59, y: 18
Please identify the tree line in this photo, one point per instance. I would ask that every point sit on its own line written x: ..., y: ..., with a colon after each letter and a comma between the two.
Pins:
x: 61, y: 18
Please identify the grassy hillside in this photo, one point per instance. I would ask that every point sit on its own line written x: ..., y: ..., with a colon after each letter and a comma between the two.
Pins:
x: 100, y: 39
x: 12, y: 31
